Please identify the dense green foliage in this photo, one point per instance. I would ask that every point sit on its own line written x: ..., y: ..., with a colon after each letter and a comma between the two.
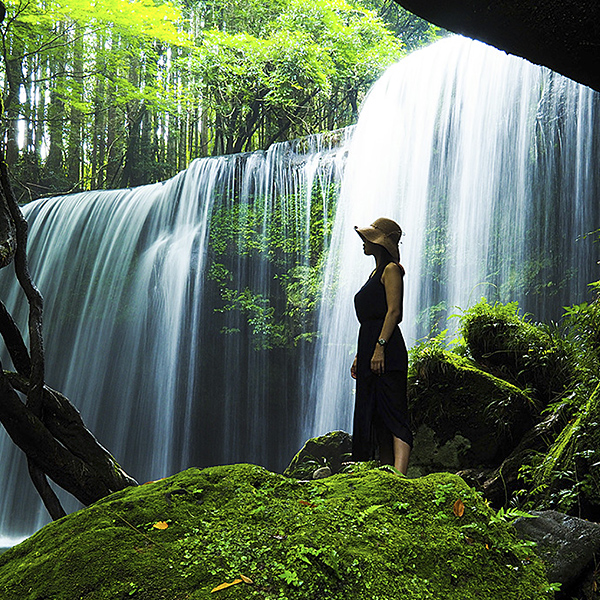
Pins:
x: 369, y: 535
x: 123, y: 93
x: 557, y: 367
x: 262, y: 236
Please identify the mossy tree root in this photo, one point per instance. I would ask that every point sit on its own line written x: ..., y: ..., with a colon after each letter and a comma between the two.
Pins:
x: 48, y: 428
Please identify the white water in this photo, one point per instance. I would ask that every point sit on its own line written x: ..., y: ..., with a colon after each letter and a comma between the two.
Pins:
x: 485, y: 161
x: 132, y: 336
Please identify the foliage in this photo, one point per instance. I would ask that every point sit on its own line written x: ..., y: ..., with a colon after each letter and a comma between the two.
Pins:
x: 284, y: 80
x: 558, y: 365
x: 512, y: 347
x: 337, y: 538
x: 412, y: 30
x: 124, y: 93
x: 567, y: 476
x: 259, y: 234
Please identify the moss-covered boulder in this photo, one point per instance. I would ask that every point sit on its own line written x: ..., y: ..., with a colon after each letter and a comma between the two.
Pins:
x: 327, y: 451
x: 464, y: 416
x: 366, y: 536
x: 514, y: 348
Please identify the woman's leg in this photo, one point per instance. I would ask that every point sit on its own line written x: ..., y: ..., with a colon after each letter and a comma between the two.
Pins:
x: 401, y: 455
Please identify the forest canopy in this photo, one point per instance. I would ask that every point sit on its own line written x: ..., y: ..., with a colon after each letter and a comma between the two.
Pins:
x: 120, y: 93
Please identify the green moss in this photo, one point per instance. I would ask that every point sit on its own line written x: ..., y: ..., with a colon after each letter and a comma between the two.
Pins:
x: 357, y: 536
x: 513, y: 348
x: 452, y: 396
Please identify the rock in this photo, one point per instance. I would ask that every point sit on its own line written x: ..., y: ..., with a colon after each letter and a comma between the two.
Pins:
x: 465, y: 417
x: 430, y: 456
x: 329, y: 450
x: 566, y: 544
x: 515, y: 349
x: 322, y: 473
x: 366, y: 536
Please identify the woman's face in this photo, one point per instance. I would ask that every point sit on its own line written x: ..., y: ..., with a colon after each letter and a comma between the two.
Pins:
x: 368, y: 248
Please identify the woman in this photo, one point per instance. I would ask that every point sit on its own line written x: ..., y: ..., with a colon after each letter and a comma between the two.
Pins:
x: 380, y: 367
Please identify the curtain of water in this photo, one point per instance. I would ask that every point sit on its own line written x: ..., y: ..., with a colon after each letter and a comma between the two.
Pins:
x: 486, y: 161
x: 131, y: 281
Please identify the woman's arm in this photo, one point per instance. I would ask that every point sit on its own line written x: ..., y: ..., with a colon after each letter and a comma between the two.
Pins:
x: 394, y: 290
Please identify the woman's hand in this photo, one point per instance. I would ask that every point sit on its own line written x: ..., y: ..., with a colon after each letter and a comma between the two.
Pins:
x: 354, y: 367
x: 378, y: 361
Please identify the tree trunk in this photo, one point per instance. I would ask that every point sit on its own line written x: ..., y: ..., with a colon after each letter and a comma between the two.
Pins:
x: 54, y: 165
x: 12, y: 103
x: 75, y: 153
x: 99, y: 127
x: 47, y: 427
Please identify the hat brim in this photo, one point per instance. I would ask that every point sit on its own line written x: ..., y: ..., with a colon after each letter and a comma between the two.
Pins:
x: 375, y: 236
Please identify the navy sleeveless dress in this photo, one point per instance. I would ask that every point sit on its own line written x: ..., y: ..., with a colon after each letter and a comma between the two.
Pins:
x: 381, y: 406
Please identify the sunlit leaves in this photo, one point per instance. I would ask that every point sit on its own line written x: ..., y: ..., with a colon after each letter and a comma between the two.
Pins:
x: 136, y: 17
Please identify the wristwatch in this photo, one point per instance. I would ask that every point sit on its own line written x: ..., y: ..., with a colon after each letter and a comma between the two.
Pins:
x: 382, y: 342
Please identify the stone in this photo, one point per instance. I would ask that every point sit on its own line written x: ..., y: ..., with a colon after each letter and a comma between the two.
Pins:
x: 329, y: 450
x: 322, y: 473
x: 369, y: 535
x: 465, y: 417
x: 566, y: 544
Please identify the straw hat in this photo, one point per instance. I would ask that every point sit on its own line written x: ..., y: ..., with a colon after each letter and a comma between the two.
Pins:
x: 384, y: 232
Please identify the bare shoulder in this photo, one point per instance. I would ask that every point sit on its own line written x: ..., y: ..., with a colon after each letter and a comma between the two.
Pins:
x: 392, y: 272
x: 393, y: 269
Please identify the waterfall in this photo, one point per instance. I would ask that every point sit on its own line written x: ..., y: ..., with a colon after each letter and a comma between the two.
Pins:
x: 159, y: 309
x: 161, y: 302
x: 487, y: 163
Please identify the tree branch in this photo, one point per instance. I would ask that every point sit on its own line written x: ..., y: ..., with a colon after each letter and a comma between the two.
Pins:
x: 46, y: 453
x: 14, y: 342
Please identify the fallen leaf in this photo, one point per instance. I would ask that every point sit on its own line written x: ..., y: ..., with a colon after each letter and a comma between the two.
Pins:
x: 160, y: 525
x: 246, y: 579
x: 306, y: 503
x: 458, y: 508
x: 226, y: 585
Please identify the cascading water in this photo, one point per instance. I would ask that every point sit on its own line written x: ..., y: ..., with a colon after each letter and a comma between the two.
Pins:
x: 484, y: 159
x: 131, y: 280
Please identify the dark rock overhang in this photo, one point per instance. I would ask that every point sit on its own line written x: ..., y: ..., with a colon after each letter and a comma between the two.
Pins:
x: 563, y: 35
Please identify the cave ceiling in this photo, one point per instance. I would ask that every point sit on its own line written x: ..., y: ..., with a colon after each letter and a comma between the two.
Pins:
x: 563, y: 35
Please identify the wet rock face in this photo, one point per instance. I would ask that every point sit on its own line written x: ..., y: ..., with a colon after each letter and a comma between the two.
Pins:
x: 465, y: 417
x: 566, y: 544
x: 430, y: 455
x: 330, y: 450
x: 563, y: 36
x: 354, y: 536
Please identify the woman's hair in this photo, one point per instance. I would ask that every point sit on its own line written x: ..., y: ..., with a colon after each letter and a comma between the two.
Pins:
x: 388, y: 258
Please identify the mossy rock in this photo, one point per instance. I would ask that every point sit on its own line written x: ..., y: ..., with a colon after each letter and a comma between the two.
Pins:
x: 367, y: 536
x: 513, y: 348
x: 329, y: 450
x: 477, y: 417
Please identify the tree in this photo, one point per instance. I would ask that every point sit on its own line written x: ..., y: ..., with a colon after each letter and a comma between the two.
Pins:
x: 125, y: 93
x: 47, y: 427
x: 304, y: 71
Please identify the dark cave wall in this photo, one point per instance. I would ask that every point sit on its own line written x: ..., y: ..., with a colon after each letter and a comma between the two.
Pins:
x: 563, y: 35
